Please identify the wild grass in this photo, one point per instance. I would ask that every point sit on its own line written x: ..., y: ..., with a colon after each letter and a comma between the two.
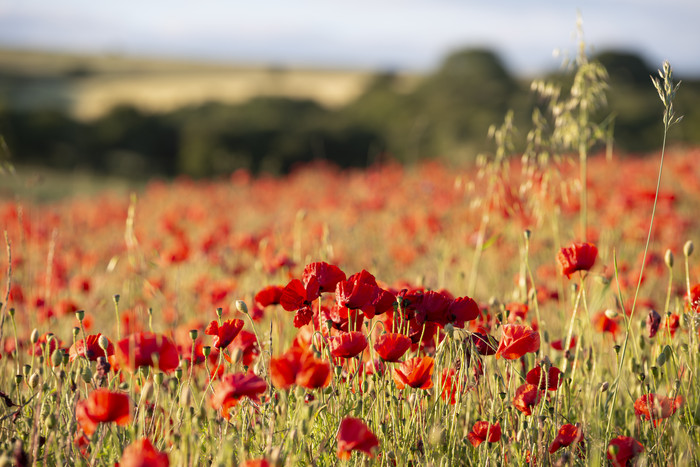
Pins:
x: 190, y: 262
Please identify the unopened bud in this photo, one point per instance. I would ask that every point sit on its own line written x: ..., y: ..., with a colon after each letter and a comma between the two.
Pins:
x: 193, y: 334
x: 158, y: 378
x: 206, y: 350
x: 116, y: 299
x: 34, y: 336
x: 242, y: 307
x: 103, y: 342
x: 668, y: 258
x: 33, y: 380
x: 57, y: 357
x: 688, y: 248
x: 80, y: 315
x: 219, y: 312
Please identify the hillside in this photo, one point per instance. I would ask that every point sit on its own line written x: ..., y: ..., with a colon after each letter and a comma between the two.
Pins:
x: 89, y: 86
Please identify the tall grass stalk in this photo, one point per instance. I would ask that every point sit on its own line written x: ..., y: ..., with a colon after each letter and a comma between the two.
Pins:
x: 667, y: 92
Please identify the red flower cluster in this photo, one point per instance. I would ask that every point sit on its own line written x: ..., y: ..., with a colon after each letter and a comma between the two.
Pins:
x: 568, y: 434
x: 623, y: 449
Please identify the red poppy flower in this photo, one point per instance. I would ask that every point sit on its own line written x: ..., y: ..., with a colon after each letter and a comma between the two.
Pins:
x: 298, y: 298
x: 451, y: 385
x: 347, y: 344
x: 577, y: 257
x: 517, y: 311
x: 270, y: 295
x: 103, y: 406
x: 325, y: 276
x: 484, y: 343
x: 484, y: 431
x: 354, y: 435
x: 433, y: 307
x: 92, y: 351
x: 694, y: 299
x: 549, y: 381
x: 623, y: 449
x: 141, y: 453
x: 233, y: 387
x: 140, y: 348
x: 357, y: 291
x: 559, y: 344
x: 247, y: 343
x: 672, y: 323
x: 314, y: 373
x: 461, y: 310
x: 568, y: 434
x: 655, y: 407
x: 517, y: 340
x: 603, y: 323
x: 526, y: 397
x: 416, y: 372
x: 225, y: 333
x: 296, y: 366
x: 391, y: 346
x: 255, y: 463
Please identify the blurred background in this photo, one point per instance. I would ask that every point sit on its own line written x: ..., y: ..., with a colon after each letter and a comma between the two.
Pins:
x: 165, y: 88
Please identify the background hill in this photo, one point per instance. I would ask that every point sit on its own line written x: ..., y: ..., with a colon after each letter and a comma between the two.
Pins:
x: 139, y: 117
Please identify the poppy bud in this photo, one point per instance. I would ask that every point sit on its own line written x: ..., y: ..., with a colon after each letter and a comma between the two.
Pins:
x: 219, y: 312
x: 86, y: 374
x: 604, y: 386
x: 12, y: 312
x: 668, y: 258
x: 57, y: 357
x: 103, y: 342
x: 33, y: 380
x: 158, y: 378
x: 653, y: 322
x: 206, y: 350
x: 242, y: 307
x: 34, y: 336
x: 688, y: 248
x: 26, y: 369
x: 116, y: 299
x: 76, y: 332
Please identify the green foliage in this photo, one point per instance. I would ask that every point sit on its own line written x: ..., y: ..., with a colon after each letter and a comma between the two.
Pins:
x: 447, y: 115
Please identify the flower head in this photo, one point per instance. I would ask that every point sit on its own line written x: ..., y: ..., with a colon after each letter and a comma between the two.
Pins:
x: 577, y: 257
x: 354, y: 435
x: 517, y: 340
x: 484, y: 431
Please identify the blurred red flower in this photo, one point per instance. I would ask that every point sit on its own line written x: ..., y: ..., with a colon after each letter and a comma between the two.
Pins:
x: 141, y: 453
x: 347, y: 344
x: 354, y: 435
x: 623, y: 449
x: 693, y: 299
x: 526, y: 397
x: 655, y: 407
x: 461, y: 310
x: 297, y: 366
x: 140, y: 348
x: 391, y: 346
x: 577, y: 257
x: 550, y: 381
x: 517, y: 340
x: 270, y: 295
x: 225, y: 333
x: 92, y: 351
x: 233, y: 387
x: 416, y: 372
x: 568, y: 434
x: 484, y: 431
x: 102, y: 406
x: 603, y: 323
x: 559, y: 344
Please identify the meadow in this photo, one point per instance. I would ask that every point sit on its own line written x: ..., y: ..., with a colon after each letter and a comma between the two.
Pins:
x: 537, y: 308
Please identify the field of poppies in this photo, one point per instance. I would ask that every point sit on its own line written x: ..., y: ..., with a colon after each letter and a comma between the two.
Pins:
x: 523, y: 311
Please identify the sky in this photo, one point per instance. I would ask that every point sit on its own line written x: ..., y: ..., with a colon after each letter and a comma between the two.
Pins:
x: 369, y: 34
